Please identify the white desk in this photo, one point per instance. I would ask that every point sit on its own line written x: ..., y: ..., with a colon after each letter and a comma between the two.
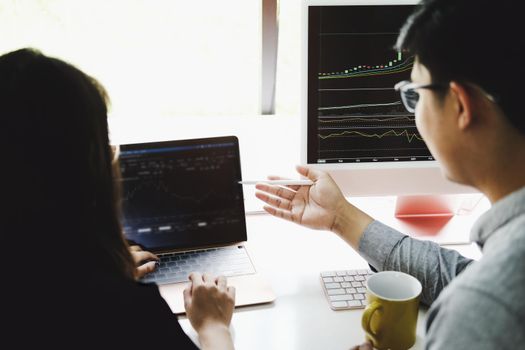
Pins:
x: 289, y: 256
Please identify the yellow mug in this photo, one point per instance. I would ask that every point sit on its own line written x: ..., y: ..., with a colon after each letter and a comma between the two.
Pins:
x: 390, y: 318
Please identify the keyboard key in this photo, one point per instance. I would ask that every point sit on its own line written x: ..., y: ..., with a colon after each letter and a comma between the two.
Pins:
x: 354, y: 303
x: 339, y: 304
x: 359, y: 296
x: 328, y: 274
x: 328, y: 279
x: 335, y: 291
x: 332, y: 285
x: 341, y: 297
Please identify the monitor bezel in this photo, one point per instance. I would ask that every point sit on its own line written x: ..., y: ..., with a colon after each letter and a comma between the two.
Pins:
x: 371, y: 178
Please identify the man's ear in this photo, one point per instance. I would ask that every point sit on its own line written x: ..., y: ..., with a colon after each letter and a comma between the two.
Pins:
x: 463, y: 104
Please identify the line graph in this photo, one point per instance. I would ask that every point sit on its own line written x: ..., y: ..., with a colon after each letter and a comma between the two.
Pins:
x: 405, y: 133
x: 368, y: 70
x: 373, y: 122
x: 364, y: 105
x: 166, y: 187
x: 368, y: 119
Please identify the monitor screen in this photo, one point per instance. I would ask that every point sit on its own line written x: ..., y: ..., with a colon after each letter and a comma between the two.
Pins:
x: 354, y: 113
x: 355, y: 126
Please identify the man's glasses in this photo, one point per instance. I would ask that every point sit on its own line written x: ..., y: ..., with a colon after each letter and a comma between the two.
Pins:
x: 409, y: 94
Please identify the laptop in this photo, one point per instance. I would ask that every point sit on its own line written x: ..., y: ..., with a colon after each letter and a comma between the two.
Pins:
x: 182, y: 201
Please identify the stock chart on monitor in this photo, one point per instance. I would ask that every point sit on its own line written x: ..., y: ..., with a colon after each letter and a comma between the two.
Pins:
x: 354, y: 113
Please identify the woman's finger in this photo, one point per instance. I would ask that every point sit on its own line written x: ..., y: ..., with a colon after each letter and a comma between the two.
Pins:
x: 221, y: 283
x: 146, y: 268
x: 196, y: 280
x: 140, y: 256
x: 208, y: 278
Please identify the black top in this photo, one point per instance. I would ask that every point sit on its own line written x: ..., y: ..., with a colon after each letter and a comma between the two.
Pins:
x: 102, y: 314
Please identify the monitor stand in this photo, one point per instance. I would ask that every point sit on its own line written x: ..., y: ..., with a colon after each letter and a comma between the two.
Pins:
x: 426, y: 206
x: 427, y: 216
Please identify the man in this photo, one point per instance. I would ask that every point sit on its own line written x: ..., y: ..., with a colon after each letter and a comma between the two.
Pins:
x: 466, y: 93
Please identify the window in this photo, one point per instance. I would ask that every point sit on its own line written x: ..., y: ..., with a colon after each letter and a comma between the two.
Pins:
x: 155, y: 58
x: 289, y: 60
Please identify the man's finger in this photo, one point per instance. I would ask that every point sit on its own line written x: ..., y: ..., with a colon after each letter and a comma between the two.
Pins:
x: 310, y: 173
x: 274, y: 177
x: 279, y: 191
x: 287, y: 215
x: 280, y: 203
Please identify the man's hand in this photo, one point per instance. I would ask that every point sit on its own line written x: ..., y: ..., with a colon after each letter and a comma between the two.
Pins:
x: 364, y: 346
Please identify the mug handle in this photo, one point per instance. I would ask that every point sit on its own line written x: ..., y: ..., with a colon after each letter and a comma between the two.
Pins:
x: 367, y: 316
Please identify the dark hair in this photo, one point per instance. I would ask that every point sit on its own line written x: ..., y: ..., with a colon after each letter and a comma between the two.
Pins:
x: 471, y: 41
x: 65, y: 197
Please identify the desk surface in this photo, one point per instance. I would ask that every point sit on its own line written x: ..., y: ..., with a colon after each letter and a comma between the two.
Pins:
x: 291, y: 258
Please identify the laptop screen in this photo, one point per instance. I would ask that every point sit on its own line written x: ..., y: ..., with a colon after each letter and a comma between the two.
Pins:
x: 182, y: 194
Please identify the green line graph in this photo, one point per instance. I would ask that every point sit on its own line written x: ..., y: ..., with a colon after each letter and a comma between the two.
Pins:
x: 388, y: 119
x: 410, y: 136
x: 396, y: 103
x: 394, y: 66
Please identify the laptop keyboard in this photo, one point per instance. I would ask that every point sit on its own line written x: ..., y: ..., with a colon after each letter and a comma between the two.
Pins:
x: 176, y: 267
x: 345, y: 289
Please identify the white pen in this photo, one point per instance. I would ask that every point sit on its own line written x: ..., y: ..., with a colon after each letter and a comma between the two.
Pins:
x: 304, y: 182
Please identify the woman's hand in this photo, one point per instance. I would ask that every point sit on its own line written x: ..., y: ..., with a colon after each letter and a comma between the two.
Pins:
x: 145, y: 261
x: 209, y: 305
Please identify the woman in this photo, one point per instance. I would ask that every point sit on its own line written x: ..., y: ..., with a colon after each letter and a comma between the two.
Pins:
x: 74, y: 284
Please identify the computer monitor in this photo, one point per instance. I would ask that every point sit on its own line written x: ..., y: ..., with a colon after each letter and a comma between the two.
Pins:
x: 354, y: 123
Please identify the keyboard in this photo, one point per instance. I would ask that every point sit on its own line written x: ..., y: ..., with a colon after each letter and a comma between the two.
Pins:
x: 175, y: 267
x: 345, y: 289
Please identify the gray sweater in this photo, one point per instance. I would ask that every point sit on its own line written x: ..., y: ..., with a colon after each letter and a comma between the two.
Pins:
x: 473, y: 304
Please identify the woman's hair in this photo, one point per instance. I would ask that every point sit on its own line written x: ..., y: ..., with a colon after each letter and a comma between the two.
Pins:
x: 65, y: 197
x: 472, y: 41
